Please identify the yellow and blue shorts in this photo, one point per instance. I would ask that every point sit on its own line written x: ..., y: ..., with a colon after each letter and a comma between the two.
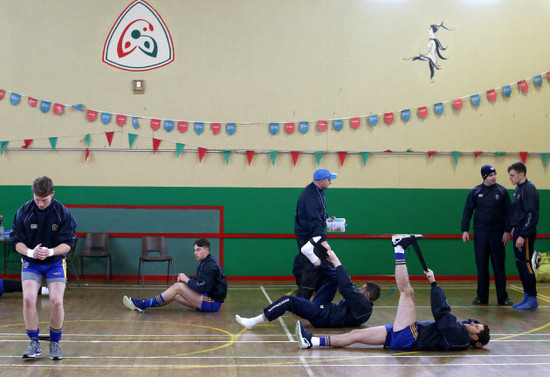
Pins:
x: 402, y: 339
x: 209, y: 304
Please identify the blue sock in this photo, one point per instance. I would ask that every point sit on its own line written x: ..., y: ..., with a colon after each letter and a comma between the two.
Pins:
x: 55, y: 334
x: 324, y: 341
x: 33, y: 334
x: 154, y: 302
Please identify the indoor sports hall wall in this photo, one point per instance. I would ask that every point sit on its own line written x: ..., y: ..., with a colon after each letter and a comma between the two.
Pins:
x: 253, y: 63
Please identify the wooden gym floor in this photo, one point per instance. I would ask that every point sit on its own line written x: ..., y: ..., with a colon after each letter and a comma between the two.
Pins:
x: 103, y: 338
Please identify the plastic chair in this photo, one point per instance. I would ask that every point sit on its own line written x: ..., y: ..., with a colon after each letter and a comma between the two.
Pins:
x: 69, y: 261
x: 157, y: 246
x: 96, y: 245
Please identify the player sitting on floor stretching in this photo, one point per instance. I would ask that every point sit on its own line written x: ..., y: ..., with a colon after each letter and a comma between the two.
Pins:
x: 445, y: 333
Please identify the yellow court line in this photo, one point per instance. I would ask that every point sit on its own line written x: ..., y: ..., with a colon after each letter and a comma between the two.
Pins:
x: 538, y: 296
x: 525, y: 332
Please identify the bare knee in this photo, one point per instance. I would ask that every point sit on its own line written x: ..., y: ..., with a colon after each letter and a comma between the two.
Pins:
x: 56, y: 304
x: 29, y: 302
x: 407, y: 292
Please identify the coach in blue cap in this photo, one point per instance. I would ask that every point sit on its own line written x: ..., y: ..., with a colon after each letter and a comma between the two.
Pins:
x: 491, y: 204
x: 310, y: 222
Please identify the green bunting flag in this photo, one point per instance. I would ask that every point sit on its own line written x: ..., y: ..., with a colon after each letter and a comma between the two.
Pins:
x: 179, y: 148
x: 53, y: 142
x: 87, y: 140
x: 499, y: 153
x: 226, y: 156
x: 131, y: 139
x: 273, y: 155
x: 365, y: 156
x: 319, y: 157
x: 456, y: 154
x: 3, y: 146
x: 544, y: 157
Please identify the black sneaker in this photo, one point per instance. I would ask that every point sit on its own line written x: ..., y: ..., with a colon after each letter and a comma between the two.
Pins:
x: 506, y: 302
x: 404, y: 240
x: 478, y: 301
x: 303, y: 335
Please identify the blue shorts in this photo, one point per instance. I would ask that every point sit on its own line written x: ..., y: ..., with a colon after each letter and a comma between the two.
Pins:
x: 402, y: 339
x: 209, y: 304
x: 53, y: 272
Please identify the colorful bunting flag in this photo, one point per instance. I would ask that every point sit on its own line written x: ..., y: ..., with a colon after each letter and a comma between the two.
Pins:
x: 91, y: 115
x: 438, y: 108
x: 499, y: 153
x: 45, y: 106
x: 135, y: 123
x: 131, y: 139
x: 3, y: 146
x: 537, y: 80
x: 423, y: 112
x: 355, y: 123
x: 109, y: 137
x: 87, y: 140
x: 168, y: 125
x: 274, y: 128
x: 78, y: 107
x: 523, y: 156
x: 155, y: 124
x: 388, y: 118
x: 303, y: 127
x: 456, y: 155
x: 477, y: 153
x: 406, y: 115
x: 522, y: 86
x: 492, y: 95
x: 507, y: 90
x: 230, y: 128
x: 544, y: 157
x: 365, y: 156
x: 32, y: 102
x: 27, y: 144
x: 273, y: 155
x: 182, y: 127
x: 121, y: 120
x: 87, y: 155
x: 226, y: 156
x: 457, y: 104
x: 431, y: 153
x: 179, y: 149
x: 202, y: 152
x: 337, y: 124
x: 198, y: 127
x: 475, y: 99
x: 249, y: 156
x: 156, y: 144
x: 373, y: 120
x: 53, y: 142
x: 216, y: 128
x: 289, y: 128
x: 15, y: 98
x: 322, y: 125
x: 2, y: 94
x: 105, y: 118
x: 342, y: 156
x: 58, y: 109
x: 318, y: 157
x: 295, y: 155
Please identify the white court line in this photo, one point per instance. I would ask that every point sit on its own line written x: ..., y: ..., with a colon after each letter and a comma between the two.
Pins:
x: 521, y: 289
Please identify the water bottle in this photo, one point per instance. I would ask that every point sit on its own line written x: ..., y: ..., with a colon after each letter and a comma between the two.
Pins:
x: 1, y: 232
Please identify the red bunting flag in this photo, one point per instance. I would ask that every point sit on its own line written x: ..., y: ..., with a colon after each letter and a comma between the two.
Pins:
x: 322, y: 124
x: 295, y: 156
x: 523, y: 156
x: 156, y: 144
x: 58, y: 108
x: 87, y: 155
x: 27, y: 143
x: 109, y: 137
x: 202, y: 151
x: 155, y: 124
x: 423, y: 111
x: 2, y: 94
x: 121, y: 120
x: 249, y: 156
x: 355, y: 122
x: 289, y: 128
x: 388, y: 118
x: 522, y: 86
x: 182, y: 126
x: 388, y: 151
x: 457, y: 103
x: 32, y: 102
x: 216, y: 128
x: 92, y: 115
x: 431, y: 153
x: 342, y: 156
x: 477, y: 153
x: 492, y: 95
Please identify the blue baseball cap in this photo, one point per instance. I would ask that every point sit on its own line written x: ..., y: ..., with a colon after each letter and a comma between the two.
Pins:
x: 323, y: 174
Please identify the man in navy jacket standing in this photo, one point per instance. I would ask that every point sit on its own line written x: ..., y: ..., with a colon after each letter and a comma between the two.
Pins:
x: 310, y: 221
x: 444, y: 333
x: 491, y: 204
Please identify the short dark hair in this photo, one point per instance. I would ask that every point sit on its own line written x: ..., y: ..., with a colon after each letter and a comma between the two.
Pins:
x: 373, y: 289
x: 42, y: 186
x: 518, y: 166
x: 483, y: 337
x: 202, y: 242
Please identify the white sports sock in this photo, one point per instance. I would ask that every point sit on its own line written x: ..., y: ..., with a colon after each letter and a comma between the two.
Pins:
x: 249, y: 322
x: 315, y: 341
x: 45, y: 291
x: 399, y: 249
x: 307, y: 250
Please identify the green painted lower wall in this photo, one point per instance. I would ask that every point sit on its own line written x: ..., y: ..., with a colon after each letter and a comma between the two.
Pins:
x: 271, y: 211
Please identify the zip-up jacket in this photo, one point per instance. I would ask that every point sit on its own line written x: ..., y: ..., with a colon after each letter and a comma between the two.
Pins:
x: 525, y: 209
x: 210, y: 279
x: 311, y: 214
x: 492, y: 207
x: 51, y: 227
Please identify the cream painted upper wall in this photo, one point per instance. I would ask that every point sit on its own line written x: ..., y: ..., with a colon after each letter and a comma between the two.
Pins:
x: 262, y: 61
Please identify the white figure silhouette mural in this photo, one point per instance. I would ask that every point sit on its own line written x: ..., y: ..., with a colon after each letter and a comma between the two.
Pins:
x: 434, y: 51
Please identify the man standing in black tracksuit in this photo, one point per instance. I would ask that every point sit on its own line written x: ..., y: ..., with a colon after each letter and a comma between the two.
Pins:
x: 491, y: 204
x: 524, y: 220
x: 309, y: 222
x: 354, y: 310
x: 444, y: 333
